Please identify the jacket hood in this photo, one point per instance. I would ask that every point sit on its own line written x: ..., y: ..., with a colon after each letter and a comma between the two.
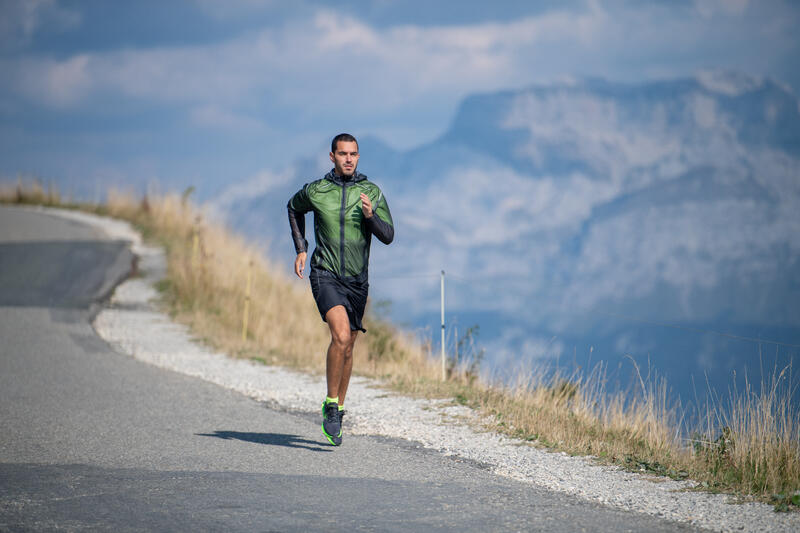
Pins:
x: 339, y: 180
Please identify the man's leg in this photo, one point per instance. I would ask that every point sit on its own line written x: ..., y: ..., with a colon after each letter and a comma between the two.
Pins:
x: 339, y: 324
x: 347, y: 367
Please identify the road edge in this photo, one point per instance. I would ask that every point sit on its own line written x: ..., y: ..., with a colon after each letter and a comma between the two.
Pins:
x: 132, y: 301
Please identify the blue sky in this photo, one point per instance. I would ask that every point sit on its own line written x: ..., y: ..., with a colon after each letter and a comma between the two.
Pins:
x: 210, y: 93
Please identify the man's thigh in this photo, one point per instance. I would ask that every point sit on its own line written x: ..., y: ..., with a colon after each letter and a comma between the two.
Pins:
x: 338, y: 322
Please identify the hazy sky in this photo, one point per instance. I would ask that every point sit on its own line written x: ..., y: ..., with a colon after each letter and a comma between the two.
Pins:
x: 211, y: 92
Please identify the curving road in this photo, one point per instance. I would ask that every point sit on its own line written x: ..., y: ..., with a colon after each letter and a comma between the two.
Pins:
x: 94, y: 440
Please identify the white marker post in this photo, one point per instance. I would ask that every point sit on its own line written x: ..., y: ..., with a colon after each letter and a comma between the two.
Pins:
x: 444, y: 363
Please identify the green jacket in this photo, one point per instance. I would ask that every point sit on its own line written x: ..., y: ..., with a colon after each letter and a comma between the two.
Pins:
x: 342, y: 232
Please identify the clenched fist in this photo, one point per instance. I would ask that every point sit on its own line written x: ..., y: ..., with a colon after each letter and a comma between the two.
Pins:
x: 366, y: 205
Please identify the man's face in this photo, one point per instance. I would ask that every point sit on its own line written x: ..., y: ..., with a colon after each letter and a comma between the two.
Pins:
x: 345, y: 158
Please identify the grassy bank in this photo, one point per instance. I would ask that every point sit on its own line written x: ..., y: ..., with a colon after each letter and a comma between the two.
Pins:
x: 749, y: 444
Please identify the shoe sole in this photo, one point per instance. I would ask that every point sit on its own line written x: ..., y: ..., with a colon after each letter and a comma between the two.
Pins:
x: 335, y: 441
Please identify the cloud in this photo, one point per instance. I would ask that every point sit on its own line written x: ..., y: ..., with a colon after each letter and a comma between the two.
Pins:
x: 337, y: 65
x: 218, y: 118
x: 727, y: 82
x: 257, y: 185
x: 705, y: 111
x: 379, y: 66
x: 59, y: 84
x: 231, y: 9
x: 521, y: 352
x: 711, y: 8
x: 407, y: 61
x: 20, y: 20
x: 503, y: 205
x: 602, y: 133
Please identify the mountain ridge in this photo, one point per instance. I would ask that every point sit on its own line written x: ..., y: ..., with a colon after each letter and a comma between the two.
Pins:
x: 673, y: 201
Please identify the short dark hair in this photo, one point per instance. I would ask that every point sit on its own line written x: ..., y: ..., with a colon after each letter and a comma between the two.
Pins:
x: 344, y: 137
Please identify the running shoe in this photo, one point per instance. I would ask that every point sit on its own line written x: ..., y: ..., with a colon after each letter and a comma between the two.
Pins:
x: 331, y: 424
x: 341, y: 425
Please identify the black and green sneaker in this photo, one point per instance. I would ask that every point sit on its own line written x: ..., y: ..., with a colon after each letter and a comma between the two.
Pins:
x: 331, y: 423
x: 341, y: 425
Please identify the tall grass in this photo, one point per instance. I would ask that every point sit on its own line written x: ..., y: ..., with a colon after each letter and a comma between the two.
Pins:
x: 756, y: 449
x: 748, y: 444
x: 208, y: 270
x: 30, y: 192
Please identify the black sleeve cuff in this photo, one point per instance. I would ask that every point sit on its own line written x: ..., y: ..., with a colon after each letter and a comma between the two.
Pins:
x: 297, y: 223
x: 380, y: 228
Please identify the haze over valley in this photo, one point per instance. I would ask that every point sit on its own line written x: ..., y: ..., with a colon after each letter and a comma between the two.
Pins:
x: 590, y: 219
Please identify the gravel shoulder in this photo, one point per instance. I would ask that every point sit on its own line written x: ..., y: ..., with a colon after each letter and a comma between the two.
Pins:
x: 133, y: 325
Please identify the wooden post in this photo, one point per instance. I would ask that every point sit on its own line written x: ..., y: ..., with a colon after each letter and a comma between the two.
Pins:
x: 444, y: 362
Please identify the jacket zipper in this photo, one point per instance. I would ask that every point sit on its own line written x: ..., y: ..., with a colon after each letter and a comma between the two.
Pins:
x: 341, y: 228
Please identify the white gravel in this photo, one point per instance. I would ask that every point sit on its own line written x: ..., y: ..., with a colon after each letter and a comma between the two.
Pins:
x: 133, y: 325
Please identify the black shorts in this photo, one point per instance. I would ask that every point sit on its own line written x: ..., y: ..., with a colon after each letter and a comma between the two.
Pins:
x: 330, y: 290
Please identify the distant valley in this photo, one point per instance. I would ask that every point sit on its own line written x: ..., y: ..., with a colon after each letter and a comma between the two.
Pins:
x: 589, y: 221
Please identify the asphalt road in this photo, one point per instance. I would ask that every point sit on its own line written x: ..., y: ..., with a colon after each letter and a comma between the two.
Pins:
x: 94, y: 440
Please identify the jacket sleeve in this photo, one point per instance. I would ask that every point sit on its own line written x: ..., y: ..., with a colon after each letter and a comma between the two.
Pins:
x: 297, y: 207
x: 380, y: 223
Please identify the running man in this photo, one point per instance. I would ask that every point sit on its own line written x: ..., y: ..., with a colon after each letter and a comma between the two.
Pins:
x: 348, y: 210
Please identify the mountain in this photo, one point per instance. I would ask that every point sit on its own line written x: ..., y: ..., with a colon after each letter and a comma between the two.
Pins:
x: 594, y: 213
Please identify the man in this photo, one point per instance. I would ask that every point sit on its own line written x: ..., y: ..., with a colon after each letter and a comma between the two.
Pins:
x: 348, y: 210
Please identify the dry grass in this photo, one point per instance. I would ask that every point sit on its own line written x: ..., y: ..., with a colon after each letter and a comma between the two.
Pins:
x: 756, y: 451
x: 748, y: 445
x: 30, y: 192
x: 206, y: 288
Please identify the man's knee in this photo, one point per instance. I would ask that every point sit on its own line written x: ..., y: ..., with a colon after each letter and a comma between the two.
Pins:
x: 348, y: 351
x: 339, y: 325
x: 341, y: 339
x: 351, y: 341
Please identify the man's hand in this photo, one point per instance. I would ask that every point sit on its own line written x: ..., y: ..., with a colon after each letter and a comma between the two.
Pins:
x: 366, y: 205
x: 300, y: 264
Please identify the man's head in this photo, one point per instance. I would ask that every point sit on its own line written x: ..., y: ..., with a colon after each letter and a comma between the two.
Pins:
x: 344, y: 154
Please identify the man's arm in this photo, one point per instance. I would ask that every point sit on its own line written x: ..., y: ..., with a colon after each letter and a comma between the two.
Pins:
x: 297, y: 208
x: 378, y: 221
x: 297, y: 222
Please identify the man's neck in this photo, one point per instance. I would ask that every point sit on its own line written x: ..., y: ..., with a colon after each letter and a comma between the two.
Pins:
x: 343, y: 177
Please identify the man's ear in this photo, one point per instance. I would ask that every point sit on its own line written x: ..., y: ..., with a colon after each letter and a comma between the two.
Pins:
x: 332, y: 158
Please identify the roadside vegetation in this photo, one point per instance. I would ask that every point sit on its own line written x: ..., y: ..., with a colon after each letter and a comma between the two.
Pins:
x: 747, y: 444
